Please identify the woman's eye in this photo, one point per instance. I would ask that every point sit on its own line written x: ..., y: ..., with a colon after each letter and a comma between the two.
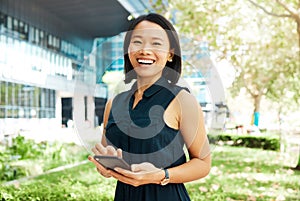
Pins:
x: 137, y: 42
x: 157, y: 44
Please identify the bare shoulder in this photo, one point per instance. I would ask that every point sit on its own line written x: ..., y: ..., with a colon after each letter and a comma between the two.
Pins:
x: 109, y: 103
x: 186, y: 99
x: 107, y: 110
x: 185, y: 104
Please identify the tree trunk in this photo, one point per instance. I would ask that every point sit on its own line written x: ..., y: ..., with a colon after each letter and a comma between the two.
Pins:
x: 298, y: 166
x: 298, y: 32
x: 257, y: 99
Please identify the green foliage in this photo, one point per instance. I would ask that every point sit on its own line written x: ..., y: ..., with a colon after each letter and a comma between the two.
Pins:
x: 264, y: 54
x: 21, y: 149
x: 26, y: 157
x: 237, y: 173
x: 251, y: 141
x: 9, y: 172
x: 41, y: 191
x: 26, y: 148
x: 80, y: 183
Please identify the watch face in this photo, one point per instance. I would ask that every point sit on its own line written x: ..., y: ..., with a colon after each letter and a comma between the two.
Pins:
x: 164, y: 182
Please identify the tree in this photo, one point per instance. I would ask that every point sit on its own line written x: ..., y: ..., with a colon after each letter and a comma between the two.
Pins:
x: 259, y: 46
x: 289, y: 10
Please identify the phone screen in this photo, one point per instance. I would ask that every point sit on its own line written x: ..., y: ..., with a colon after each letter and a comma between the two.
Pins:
x: 111, y: 162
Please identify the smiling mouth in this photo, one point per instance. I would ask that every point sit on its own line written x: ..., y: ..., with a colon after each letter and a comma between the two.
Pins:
x: 145, y: 61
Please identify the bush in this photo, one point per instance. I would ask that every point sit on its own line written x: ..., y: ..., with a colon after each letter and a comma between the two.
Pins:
x: 26, y: 148
x: 25, y: 157
x: 251, y: 141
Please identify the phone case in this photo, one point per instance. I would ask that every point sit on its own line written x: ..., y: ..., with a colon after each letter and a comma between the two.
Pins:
x: 110, y: 162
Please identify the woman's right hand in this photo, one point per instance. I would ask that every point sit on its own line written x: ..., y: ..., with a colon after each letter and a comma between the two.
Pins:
x: 99, y: 149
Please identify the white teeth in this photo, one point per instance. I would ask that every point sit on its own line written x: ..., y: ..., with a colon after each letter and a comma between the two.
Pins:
x: 145, y: 61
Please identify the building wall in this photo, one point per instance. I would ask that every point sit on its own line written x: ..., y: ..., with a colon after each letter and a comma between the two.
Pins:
x: 31, y: 13
x: 36, y: 60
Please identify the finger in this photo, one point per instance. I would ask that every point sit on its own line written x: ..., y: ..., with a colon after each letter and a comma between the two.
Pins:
x: 107, y: 175
x: 102, y: 170
x: 119, y: 153
x: 120, y: 174
x: 136, y: 167
x: 111, y: 151
x: 101, y: 149
x: 124, y: 172
x: 95, y: 151
x: 143, y: 167
x: 98, y: 165
x: 125, y: 179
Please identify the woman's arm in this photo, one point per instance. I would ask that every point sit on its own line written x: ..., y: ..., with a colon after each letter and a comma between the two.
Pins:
x: 192, y: 127
x: 102, y: 148
x: 105, y: 119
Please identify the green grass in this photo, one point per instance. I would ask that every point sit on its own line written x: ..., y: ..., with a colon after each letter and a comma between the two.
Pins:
x: 237, y: 174
x: 79, y: 183
x: 246, y: 174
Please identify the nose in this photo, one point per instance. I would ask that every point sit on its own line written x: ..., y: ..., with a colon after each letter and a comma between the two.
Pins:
x: 146, y: 49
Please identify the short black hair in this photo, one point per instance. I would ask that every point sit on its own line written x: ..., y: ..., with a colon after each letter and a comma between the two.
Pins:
x: 175, y: 66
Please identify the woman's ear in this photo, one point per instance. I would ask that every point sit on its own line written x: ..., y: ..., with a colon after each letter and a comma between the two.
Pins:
x: 171, y: 55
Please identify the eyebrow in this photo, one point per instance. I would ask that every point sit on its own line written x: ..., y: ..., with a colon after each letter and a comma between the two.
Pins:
x: 155, y: 38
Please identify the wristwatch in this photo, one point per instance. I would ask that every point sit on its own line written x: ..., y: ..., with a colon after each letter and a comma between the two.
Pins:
x: 165, y: 180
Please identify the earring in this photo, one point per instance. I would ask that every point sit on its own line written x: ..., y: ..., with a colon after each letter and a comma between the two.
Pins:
x: 170, y: 59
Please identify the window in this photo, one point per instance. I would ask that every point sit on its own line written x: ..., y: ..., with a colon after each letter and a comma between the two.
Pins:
x: 42, y: 39
x: 15, y: 25
x: 9, y: 23
x: 36, y: 36
x: 24, y: 101
x: 31, y: 34
x: 2, y: 20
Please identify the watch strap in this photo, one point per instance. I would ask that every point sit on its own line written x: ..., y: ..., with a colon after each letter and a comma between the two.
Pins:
x: 166, y: 174
x: 166, y: 179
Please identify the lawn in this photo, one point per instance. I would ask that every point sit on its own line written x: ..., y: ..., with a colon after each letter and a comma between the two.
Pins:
x: 237, y: 174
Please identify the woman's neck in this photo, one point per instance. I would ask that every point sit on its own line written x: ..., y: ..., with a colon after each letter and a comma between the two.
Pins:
x: 143, y: 84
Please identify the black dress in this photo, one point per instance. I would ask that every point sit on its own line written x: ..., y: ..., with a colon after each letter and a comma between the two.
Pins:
x: 143, y: 136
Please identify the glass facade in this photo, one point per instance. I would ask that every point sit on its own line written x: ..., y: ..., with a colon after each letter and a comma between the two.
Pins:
x: 109, y: 55
x: 26, y: 48
x: 23, y: 101
x: 38, y: 68
x: 117, y: 54
x: 28, y: 54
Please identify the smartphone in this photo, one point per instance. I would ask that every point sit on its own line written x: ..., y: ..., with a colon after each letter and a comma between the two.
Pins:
x: 110, y: 162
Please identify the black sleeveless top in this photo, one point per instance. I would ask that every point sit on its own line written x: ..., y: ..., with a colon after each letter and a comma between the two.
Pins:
x: 143, y: 136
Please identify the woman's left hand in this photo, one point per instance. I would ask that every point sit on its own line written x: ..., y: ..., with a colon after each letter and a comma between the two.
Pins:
x: 143, y: 173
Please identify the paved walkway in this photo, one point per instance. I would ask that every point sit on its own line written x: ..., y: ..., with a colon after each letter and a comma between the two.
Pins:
x: 64, y: 134
x: 86, y: 137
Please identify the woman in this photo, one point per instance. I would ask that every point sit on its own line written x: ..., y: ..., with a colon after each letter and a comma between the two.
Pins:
x: 149, y: 125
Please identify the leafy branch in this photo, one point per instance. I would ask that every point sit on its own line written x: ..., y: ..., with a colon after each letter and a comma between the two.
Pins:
x: 268, y: 12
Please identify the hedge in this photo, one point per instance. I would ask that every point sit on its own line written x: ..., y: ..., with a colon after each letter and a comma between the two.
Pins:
x: 251, y: 141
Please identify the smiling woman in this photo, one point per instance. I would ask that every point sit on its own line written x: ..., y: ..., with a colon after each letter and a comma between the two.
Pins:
x: 149, y: 51
x: 150, y: 124
x: 162, y: 34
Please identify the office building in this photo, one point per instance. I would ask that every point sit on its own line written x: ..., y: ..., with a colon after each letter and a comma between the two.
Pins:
x: 51, y: 64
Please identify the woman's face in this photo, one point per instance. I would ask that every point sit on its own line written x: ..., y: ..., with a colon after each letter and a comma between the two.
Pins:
x: 149, y: 50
